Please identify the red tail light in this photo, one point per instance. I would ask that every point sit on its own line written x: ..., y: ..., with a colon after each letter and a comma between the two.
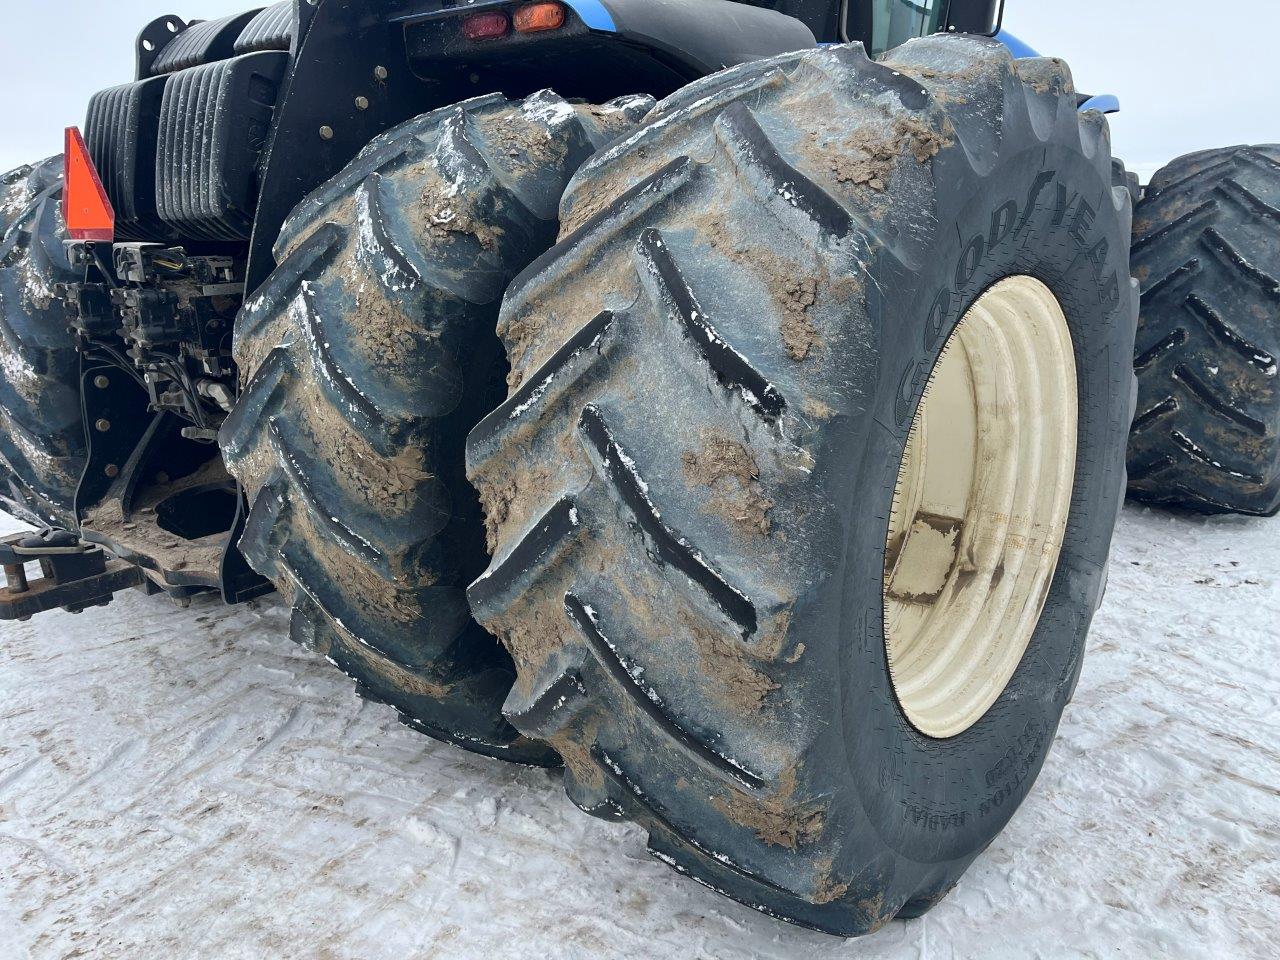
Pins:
x: 485, y: 26
x: 535, y: 17
x: 85, y: 206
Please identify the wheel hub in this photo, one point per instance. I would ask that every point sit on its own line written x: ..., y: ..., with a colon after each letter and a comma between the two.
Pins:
x: 980, y: 507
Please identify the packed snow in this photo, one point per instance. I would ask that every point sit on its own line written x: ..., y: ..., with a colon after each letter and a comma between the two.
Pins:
x: 188, y: 783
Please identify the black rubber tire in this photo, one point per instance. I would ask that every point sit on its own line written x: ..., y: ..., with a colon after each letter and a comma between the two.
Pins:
x: 690, y: 486
x: 1122, y: 177
x: 366, y: 357
x: 1206, y: 249
x: 42, y: 443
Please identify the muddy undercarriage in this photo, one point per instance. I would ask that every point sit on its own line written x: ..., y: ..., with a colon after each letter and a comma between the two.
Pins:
x: 153, y: 329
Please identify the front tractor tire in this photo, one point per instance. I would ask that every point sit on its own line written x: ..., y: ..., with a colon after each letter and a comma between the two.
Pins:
x: 1206, y: 248
x: 42, y: 443
x: 366, y: 358
x: 803, y: 495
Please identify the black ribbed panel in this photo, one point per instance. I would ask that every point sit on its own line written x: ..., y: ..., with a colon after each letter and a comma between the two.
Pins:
x: 272, y: 29
x: 107, y: 130
x: 202, y: 43
x: 120, y: 132
x: 214, y: 125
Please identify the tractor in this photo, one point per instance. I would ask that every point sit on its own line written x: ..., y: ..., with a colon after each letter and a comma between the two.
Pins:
x: 726, y: 400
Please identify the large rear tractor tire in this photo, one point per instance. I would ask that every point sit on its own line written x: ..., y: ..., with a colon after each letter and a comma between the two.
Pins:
x: 1206, y: 249
x: 803, y: 496
x: 366, y: 357
x: 42, y: 443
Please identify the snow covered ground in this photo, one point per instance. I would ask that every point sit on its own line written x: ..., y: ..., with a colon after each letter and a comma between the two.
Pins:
x: 188, y: 783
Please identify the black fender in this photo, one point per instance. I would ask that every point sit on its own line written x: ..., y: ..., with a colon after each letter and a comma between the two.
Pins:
x: 355, y: 74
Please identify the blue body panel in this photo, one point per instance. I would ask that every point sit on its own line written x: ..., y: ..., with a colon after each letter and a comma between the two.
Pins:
x: 594, y: 14
x: 1021, y: 50
x: 1105, y: 103
x: 597, y: 17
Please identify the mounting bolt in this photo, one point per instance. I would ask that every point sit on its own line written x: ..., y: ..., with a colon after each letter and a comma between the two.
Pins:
x: 101, y: 382
x: 380, y: 72
x: 111, y: 470
x: 362, y: 103
x: 326, y: 132
x: 17, y: 577
x: 103, y: 425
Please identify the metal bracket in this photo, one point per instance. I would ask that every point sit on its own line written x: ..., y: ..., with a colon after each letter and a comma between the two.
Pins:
x: 76, y: 575
x: 153, y: 38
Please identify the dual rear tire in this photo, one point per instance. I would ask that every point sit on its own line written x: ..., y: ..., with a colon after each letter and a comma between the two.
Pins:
x: 740, y: 607
x: 365, y: 359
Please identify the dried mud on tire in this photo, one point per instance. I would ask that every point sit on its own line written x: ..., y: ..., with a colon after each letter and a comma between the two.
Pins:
x: 714, y: 374
x: 366, y: 357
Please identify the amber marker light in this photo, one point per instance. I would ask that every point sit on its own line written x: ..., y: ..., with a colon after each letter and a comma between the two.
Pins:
x: 536, y: 17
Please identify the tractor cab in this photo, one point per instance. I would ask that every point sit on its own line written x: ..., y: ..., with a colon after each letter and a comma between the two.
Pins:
x: 884, y: 24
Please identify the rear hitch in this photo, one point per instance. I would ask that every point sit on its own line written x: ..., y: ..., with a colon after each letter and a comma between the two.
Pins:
x: 75, y: 575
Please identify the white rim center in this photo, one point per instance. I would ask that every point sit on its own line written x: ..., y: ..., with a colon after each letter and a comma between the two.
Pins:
x: 980, y: 507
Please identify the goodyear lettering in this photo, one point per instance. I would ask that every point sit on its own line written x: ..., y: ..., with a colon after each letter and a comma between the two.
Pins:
x: 1002, y: 222
x: 1043, y: 179
x: 936, y: 822
x: 1070, y: 210
x: 970, y: 260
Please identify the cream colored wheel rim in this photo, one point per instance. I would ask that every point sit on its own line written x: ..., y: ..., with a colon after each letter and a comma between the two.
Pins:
x: 980, y: 507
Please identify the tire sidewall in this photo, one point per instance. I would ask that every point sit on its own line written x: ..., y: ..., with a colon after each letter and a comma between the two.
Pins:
x: 935, y: 800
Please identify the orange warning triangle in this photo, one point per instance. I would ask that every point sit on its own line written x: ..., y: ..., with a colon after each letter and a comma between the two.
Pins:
x: 85, y: 206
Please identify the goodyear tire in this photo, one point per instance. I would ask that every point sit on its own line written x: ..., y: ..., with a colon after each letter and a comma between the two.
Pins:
x: 1206, y: 248
x: 42, y: 445
x: 693, y: 484
x: 365, y: 358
